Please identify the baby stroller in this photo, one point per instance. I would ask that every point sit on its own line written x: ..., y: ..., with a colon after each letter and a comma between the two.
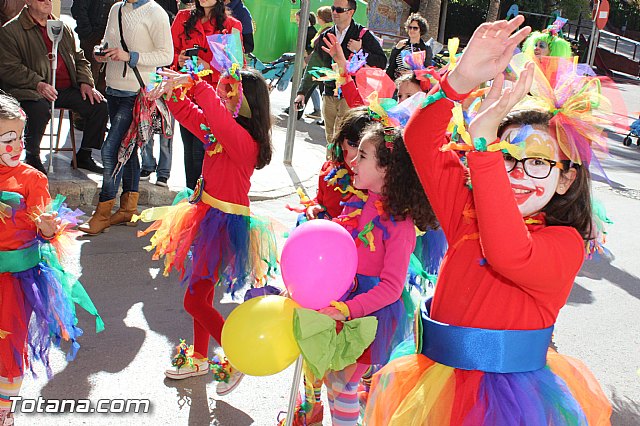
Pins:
x: 634, y: 130
x: 277, y: 73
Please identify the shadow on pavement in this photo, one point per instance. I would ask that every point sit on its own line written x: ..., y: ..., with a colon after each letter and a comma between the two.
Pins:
x: 625, y: 411
x: 603, y: 269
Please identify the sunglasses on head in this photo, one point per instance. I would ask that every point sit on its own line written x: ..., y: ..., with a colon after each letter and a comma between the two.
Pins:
x: 338, y: 9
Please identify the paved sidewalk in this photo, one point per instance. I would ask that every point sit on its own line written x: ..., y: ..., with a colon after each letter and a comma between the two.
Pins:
x: 274, y: 181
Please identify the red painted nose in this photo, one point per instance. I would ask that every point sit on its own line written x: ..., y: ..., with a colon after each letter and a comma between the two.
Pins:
x: 518, y: 172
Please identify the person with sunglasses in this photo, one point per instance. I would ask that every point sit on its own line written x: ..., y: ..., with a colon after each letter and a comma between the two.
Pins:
x: 352, y: 37
x: 416, y: 26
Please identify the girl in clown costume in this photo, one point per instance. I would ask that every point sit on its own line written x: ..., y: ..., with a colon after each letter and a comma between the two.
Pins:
x: 212, y: 239
x: 517, y: 220
x: 37, y: 295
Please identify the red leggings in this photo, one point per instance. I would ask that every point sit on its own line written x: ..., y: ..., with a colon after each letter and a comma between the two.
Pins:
x: 207, y: 321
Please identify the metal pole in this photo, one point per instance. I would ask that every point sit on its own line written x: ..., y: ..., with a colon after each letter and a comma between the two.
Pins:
x: 297, y: 76
x: 595, y: 47
x: 593, y: 30
x: 297, y: 375
x: 54, y: 67
x: 443, y: 20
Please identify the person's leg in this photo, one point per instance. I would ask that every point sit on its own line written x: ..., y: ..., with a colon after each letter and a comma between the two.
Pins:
x: 164, y: 161
x: 95, y: 122
x: 329, y: 112
x: 344, y: 385
x: 148, y: 160
x: 207, y: 321
x: 187, y: 141
x: 38, y: 115
x: 315, y: 99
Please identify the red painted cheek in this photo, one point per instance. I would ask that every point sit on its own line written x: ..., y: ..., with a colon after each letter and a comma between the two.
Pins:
x: 9, y: 148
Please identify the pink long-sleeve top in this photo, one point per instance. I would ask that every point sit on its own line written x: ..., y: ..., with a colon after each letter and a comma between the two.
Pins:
x: 499, y: 272
x: 389, y: 261
x: 227, y: 174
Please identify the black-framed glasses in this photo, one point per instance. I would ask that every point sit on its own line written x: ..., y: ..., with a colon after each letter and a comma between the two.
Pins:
x: 338, y: 9
x: 537, y: 168
x: 413, y: 28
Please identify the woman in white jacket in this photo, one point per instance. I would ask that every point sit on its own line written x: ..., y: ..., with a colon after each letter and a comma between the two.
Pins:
x: 148, y: 45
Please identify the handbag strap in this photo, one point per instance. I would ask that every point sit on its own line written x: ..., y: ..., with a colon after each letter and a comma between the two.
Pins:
x: 126, y: 49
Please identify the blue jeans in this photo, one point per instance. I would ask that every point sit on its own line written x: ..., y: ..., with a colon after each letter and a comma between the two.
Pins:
x: 315, y: 99
x: 121, y: 116
x: 163, y: 166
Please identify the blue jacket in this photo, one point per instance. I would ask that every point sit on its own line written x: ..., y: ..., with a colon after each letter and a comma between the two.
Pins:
x: 242, y: 14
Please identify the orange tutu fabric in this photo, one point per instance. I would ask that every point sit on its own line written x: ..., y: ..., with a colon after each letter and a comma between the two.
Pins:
x: 414, y: 390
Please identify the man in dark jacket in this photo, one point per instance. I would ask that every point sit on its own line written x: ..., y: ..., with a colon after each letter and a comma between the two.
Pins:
x: 91, y: 20
x: 26, y: 73
x: 352, y: 37
x: 242, y: 14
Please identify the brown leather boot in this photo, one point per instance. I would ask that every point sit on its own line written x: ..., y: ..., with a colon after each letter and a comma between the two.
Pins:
x: 128, y: 207
x: 99, y: 222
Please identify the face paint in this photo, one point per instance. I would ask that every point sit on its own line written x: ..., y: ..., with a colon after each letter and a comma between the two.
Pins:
x: 349, y: 151
x: 541, y: 49
x: 11, y: 143
x: 532, y: 194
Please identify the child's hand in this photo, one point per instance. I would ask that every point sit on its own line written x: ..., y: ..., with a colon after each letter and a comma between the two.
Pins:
x: 333, y: 313
x: 170, y: 80
x: 334, y: 49
x: 487, y: 54
x: 313, y: 211
x: 498, y: 104
x: 47, y: 224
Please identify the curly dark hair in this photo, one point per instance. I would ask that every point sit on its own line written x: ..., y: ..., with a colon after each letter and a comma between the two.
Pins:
x: 574, y: 207
x: 349, y: 127
x: 418, y: 19
x: 218, y: 13
x: 254, y: 89
x: 402, y: 190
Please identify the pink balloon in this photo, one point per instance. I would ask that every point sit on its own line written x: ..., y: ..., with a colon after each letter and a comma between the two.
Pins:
x: 318, y: 262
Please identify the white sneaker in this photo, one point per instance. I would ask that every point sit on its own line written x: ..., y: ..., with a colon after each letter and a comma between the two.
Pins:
x: 199, y: 368
x: 228, y: 378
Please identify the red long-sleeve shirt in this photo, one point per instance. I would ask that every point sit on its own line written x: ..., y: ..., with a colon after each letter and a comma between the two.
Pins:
x: 498, y: 272
x: 328, y: 195
x: 227, y: 174
x: 199, y: 36
x: 18, y: 232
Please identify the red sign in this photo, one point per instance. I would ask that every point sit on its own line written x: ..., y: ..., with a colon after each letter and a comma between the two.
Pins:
x: 601, y: 16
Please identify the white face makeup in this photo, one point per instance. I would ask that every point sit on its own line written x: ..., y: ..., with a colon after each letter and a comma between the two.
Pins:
x: 367, y: 174
x: 533, y: 193
x: 11, y: 143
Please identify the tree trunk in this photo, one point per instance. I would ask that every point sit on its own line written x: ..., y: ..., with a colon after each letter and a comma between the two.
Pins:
x: 494, y: 8
x: 430, y: 9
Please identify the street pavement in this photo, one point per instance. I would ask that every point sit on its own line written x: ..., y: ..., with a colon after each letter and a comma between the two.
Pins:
x: 144, y: 317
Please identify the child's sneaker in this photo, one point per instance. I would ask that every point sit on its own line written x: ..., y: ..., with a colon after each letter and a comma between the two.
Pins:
x: 184, y: 365
x: 228, y: 378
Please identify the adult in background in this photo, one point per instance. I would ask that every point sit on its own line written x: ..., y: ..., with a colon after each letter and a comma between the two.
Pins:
x: 26, y: 73
x: 190, y: 29
x: 352, y: 37
x: 91, y: 20
x: 416, y: 27
x: 242, y: 14
x: 147, y: 45
x: 161, y: 167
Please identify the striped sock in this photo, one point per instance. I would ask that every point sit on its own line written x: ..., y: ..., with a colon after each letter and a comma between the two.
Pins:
x: 8, y: 389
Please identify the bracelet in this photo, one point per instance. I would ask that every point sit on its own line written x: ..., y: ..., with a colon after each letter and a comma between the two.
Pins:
x: 343, y: 308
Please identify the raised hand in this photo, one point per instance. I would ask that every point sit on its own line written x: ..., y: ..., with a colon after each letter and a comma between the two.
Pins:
x: 487, y: 54
x: 170, y: 80
x: 334, y: 49
x: 498, y: 104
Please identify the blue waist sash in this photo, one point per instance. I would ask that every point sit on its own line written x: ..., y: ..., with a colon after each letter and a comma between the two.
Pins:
x: 491, y: 351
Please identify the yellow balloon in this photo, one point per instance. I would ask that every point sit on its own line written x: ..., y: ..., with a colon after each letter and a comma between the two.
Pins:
x: 257, y: 338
